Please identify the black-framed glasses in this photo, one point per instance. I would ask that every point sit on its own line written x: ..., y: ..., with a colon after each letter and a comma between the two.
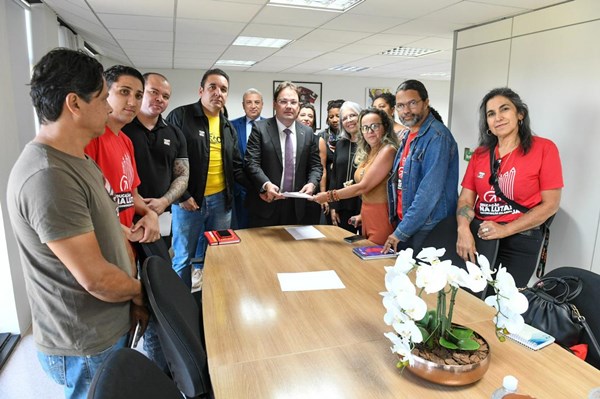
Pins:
x: 372, y: 127
x: 411, y: 104
x: 494, y: 176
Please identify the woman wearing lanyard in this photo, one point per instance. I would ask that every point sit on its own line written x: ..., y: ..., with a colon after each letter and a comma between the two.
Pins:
x: 524, y: 169
x: 342, y: 173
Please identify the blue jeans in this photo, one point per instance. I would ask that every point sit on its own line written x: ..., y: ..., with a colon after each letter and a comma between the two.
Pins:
x: 189, y: 228
x: 76, y: 372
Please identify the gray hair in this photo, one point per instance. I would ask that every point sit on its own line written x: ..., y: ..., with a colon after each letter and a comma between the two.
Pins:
x: 347, y: 106
x: 251, y: 91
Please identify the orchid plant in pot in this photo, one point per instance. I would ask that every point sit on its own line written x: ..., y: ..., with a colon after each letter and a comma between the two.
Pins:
x: 415, y: 325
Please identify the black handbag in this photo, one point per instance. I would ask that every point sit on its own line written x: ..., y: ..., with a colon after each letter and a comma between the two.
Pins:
x: 550, y: 310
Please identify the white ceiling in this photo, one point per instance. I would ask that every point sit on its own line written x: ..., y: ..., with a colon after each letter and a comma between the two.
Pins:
x: 194, y: 34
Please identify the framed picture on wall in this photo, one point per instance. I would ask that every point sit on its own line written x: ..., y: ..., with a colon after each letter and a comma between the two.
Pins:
x: 310, y: 92
x: 374, y: 92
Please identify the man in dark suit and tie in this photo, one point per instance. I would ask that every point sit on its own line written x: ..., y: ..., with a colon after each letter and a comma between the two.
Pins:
x: 252, y: 101
x: 282, y: 156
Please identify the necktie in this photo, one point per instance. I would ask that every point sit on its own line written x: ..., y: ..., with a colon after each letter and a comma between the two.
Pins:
x: 288, y: 170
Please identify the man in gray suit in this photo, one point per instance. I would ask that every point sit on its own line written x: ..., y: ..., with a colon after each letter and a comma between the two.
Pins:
x: 282, y: 156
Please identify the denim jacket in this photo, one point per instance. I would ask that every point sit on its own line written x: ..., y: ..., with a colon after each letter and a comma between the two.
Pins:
x: 430, y: 180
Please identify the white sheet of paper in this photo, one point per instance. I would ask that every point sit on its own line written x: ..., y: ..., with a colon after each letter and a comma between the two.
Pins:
x: 164, y: 223
x: 296, y: 194
x: 304, y: 232
x: 310, y: 281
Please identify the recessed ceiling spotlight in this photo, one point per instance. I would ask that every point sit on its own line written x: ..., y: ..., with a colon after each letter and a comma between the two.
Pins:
x: 235, y: 63
x: 347, y: 68
x: 409, y: 51
x: 319, y: 5
x: 260, y: 42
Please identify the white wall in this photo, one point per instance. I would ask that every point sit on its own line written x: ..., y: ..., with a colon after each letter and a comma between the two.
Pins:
x: 185, y: 84
x: 16, y: 114
x: 551, y: 58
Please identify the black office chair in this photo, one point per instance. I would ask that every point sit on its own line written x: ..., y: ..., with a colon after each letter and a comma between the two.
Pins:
x: 587, y: 304
x: 179, y: 333
x: 127, y: 374
x: 444, y: 235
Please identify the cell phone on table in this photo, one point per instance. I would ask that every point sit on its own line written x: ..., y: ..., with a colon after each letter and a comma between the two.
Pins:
x: 134, y: 338
x: 223, y: 233
x: 354, y: 238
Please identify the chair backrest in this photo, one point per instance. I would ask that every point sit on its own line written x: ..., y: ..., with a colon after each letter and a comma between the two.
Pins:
x: 444, y: 235
x: 127, y: 374
x: 177, y: 317
x: 587, y: 304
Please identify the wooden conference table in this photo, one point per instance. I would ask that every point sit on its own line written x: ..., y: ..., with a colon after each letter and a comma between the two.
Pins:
x: 265, y: 343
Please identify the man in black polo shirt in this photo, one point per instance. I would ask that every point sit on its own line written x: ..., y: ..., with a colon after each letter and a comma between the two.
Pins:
x: 160, y: 152
x: 160, y: 148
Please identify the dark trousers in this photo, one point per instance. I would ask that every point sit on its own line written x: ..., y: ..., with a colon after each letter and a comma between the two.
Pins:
x: 519, y: 254
x: 284, y: 213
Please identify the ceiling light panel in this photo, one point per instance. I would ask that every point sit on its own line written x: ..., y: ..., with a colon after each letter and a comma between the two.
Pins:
x: 348, y: 68
x: 320, y: 5
x: 235, y: 63
x: 260, y: 42
x: 411, y: 52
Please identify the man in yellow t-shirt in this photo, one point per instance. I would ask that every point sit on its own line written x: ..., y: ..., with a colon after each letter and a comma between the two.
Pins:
x: 215, y: 163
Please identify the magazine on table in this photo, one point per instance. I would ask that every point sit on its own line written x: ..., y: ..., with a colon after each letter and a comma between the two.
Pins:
x: 373, y: 252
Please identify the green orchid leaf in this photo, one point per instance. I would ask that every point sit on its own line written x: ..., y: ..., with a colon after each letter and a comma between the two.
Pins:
x: 468, y: 344
x: 461, y: 333
x: 447, y: 344
x: 425, y: 333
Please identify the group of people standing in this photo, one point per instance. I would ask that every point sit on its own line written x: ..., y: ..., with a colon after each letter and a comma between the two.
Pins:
x: 394, y: 179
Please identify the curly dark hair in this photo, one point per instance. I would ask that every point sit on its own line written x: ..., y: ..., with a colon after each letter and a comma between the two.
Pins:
x: 388, y: 98
x: 58, y: 73
x: 490, y: 141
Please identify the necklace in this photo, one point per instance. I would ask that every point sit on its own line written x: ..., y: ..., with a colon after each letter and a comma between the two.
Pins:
x: 505, y: 161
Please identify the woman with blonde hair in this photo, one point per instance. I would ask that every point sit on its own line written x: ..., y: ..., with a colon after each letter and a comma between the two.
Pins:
x: 376, y: 148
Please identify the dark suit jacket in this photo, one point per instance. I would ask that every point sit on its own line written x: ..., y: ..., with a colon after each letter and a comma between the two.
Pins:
x: 240, y: 126
x: 263, y: 163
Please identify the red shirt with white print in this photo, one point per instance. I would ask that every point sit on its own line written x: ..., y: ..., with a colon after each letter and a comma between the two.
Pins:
x: 521, y: 178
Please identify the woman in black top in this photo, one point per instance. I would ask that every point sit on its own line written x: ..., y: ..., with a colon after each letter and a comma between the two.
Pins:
x: 343, y: 168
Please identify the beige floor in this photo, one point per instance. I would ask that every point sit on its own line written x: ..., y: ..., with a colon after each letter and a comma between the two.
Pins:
x: 22, y: 376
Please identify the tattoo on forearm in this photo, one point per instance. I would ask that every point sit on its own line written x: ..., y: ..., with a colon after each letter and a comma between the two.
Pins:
x: 466, y: 212
x: 181, y: 172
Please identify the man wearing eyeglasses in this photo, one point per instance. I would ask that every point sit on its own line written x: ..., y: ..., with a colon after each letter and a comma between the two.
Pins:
x: 423, y: 189
x: 282, y: 156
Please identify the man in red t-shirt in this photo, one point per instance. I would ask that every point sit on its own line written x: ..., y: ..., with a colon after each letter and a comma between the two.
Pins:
x: 113, y: 152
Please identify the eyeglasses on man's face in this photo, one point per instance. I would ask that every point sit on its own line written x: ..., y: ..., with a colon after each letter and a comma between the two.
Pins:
x: 411, y: 104
x: 349, y: 117
x: 373, y: 127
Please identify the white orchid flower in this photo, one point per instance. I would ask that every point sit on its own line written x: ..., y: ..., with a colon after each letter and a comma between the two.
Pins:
x: 397, y: 283
x: 456, y: 276
x: 484, y: 264
x: 431, y: 278
x: 431, y: 254
x: 401, y: 346
x: 413, y: 306
x: 409, y: 330
x: 405, y: 261
x: 475, y: 280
